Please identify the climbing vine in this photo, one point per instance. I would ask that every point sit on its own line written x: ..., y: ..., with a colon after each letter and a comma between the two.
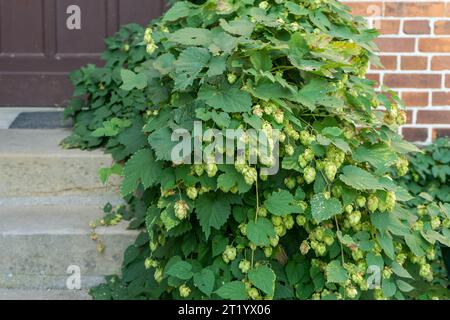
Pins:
x: 331, y: 223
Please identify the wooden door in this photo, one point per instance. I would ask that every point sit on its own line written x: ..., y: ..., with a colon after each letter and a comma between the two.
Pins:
x: 38, y: 50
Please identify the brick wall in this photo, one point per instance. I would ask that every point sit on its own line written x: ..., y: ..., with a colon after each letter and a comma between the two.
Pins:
x: 415, y: 50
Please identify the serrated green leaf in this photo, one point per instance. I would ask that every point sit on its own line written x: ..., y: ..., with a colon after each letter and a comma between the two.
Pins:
x: 219, y: 243
x: 234, y: 290
x: 259, y: 232
x: 386, y: 243
x: 404, y: 286
x: 280, y: 203
x: 400, y: 271
x: 323, y: 208
x: 239, y: 26
x: 263, y: 278
x: 231, y: 178
x: 161, y: 142
x: 217, y: 66
x: 212, y: 212
x: 380, y: 156
x: 188, y: 66
x: 180, y: 9
x: 335, y: 273
x: 388, y: 287
x: 132, y: 80
x: 204, y: 281
x: 141, y: 168
x: 192, y: 37
x: 181, y: 270
x: 415, y: 244
x: 164, y: 63
x: 227, y: 98
x: 360, y: 179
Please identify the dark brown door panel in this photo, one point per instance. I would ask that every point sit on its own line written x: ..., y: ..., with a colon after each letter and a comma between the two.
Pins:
x: 37, y: 50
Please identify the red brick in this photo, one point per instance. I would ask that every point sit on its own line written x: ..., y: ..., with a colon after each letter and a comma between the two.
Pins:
x: 409, y: 116
x: 374, y: 77
x: 413, y: 80
x: 441, y: 98
x: 415, y: 134
x: 434, y: 44
x: 440, y: 63
x: 414, y: 63
x: 442, y: 27
x: 447, y: 81
x: 415, y: 9
x: 415, y: 99
x: 389, y: 63
x: 441, y: 133
x: 433, y: 116
x: 365, y: 8
x: 396, y: 44
x: 416, y: 27
x: 388, y: 26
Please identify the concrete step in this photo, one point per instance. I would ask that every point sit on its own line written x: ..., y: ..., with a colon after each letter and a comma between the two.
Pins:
x: 14, y: 294
x: 33, y: 164
x: 41, y: 246
x: 48, y: 196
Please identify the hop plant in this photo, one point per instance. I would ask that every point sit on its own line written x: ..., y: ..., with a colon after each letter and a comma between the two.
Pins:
x: 309, y: 174
x: 185, y: 291
x: 181, y: 209
x: 287, y: 69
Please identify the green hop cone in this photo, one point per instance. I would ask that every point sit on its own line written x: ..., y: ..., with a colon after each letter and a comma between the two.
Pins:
x: 150, y: 263
x: 280, y: 230
x: 211, y: 169
x: 274, y: 241
x: 302, y: 161
x: 258, y: 111
x: 321, y: 250
x: 289, y: 149
x: 268, y: 252
x: 290, y: 182
x: 330, y: 170
x: 421, y: 210
x: 348, y: 208
x: 309, y: 175
x: 243, y: 229
x: 329, y: 240
x: 263, y: 5
x: 288, y: 222
x: 361, y: 201
x: 231, y: 78
x: 181, y: 209
x: 279, y: 116
x: 354, y: 218
x: 262, y: 212
x: 304, y: 248
x: 309, y: 155
x: 253, y: 293
x: 192, y: 193
x: 198, y: 169
x: 301, y: 220
x: 158, y: 275
x: 435, y: 223
x: 336, y: 191
x: 425, y: 271
x: 277, y: 221
x: 229, y: 254
x: 244, y: 266
x: 391, y: 200
x: 184, y: 290
x: 351, y: 292
x: 372, y: 203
